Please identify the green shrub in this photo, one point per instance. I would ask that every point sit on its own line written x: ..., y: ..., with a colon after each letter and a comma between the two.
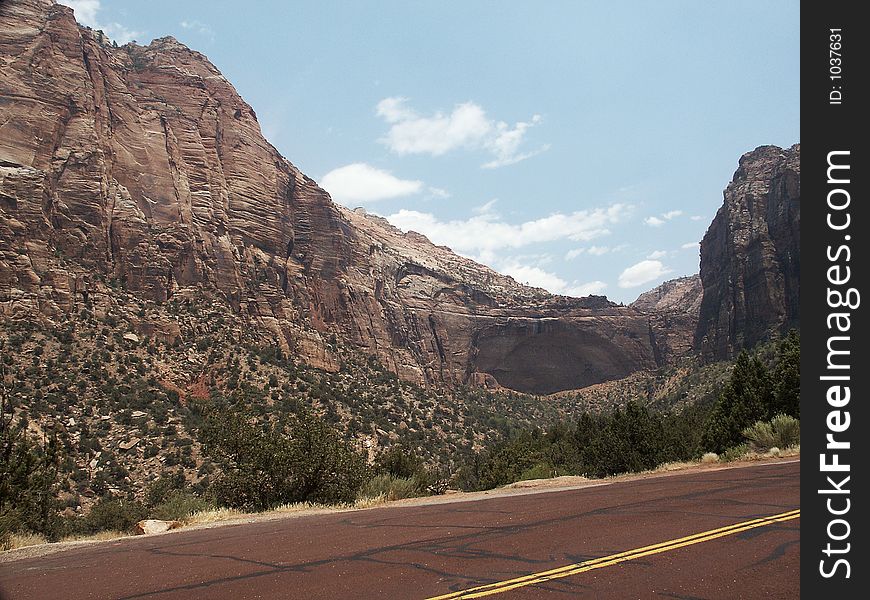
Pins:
x: 746, y: 398
x: 164, y: 486
x: 28, y: 478
x: 114, y: 514
x: 298, y: 459
x: 391, y: 487
x: 734, y: 453
x: 787, y: 430
x: 538, y: 471
x: 399, y: 462
x: 780, y: 432
x: 179, y: 505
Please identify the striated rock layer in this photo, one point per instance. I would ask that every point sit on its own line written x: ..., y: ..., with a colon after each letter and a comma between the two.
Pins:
x: 750, y: 256
x: 673, y: 307
x: 141, y: 168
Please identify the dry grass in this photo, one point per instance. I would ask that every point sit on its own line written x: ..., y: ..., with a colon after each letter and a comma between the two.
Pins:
x: 22, y: 540
x: 303, y: 506
x: 221, y: 515
x: 709, y: 457
x: 371, y: 501
x: 100, y: 536
x: 673, y: 466
x: 215, y: 515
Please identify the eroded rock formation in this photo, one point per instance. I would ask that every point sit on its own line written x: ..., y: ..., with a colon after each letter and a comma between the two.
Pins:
x: 141, y: 169
x: 673, y: 307
x: 750, y: 256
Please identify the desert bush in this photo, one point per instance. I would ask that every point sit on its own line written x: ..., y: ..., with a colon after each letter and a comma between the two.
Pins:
x: 539, y: 471
x: 298, y: 459
x: 734, y: 453
x: 710, y: 457
x: 390, y: 487
x: 780, y: 432
x: 164, y: 486
x: 787, y: 377
x: 400, y: 462
x: 113, y: 514
x: 787, y: 430
x: 179, y: 505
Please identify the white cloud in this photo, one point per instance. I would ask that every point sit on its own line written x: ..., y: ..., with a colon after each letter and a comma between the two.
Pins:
x: 438, y: 193
x: 667, y: 216
x: 587, y: 289
x: 483, y: 234
x: 485, y: 208
x: 657, y: 254
x: 199, y: 27
x: 538, y: 277
x: 86, y: 12
x: 642, y: 272
x: 361, y: 182
x: 690, y: 245
x: 696, y: 217
x: 591, y: 250
x: 467, y: 126
x: 534, y: 276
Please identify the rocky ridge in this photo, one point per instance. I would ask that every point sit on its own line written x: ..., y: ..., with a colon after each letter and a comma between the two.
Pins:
x: 750, y: 256
x: 141, y: 168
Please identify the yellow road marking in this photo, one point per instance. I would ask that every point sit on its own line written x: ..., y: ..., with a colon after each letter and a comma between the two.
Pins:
x: 613, y: 559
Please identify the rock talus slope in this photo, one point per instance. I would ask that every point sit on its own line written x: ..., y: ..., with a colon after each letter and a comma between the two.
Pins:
x: 141, y: 167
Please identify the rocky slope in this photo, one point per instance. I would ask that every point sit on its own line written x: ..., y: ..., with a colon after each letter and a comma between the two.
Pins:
x: 673, y: 307
x: 750, y: 256
x: 676, y: 296
x: 141, y: 168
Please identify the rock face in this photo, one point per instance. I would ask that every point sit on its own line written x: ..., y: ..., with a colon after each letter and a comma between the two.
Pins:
x: 676, y: 296
x: 673, y: 307
x: 750, y: 256
x: 141, y: 169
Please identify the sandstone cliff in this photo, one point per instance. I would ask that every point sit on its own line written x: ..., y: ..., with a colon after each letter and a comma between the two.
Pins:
x: 141, y: 169
x: 750, y: 256
x: 673, y: 307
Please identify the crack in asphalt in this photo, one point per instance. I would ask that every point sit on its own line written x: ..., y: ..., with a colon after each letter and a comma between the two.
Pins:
x: 466, y: 545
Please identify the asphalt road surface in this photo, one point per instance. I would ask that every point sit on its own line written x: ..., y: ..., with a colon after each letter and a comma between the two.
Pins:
x: 732, y: 533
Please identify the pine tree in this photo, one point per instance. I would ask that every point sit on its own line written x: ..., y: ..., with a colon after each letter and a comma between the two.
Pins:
x: 747, y: 398
x: 787, y: 377
x: 28, y: 476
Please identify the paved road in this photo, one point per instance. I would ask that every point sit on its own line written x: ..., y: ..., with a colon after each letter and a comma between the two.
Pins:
x: 689, y: 536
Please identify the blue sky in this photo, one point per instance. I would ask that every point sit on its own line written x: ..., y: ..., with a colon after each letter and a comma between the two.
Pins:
x: 579, y: 146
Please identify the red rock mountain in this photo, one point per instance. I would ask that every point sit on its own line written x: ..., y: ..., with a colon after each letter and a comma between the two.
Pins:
x: 750, y: 256
x: 141, y: 168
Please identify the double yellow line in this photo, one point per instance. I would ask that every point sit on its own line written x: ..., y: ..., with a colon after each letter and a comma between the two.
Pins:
x: 613, y: 559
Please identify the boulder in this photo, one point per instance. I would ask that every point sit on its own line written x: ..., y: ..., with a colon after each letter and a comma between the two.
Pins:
x: 150, y: 526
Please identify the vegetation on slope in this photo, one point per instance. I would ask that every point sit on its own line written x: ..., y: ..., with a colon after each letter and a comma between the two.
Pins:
x: 103, y: 425
x: 760, y: 402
